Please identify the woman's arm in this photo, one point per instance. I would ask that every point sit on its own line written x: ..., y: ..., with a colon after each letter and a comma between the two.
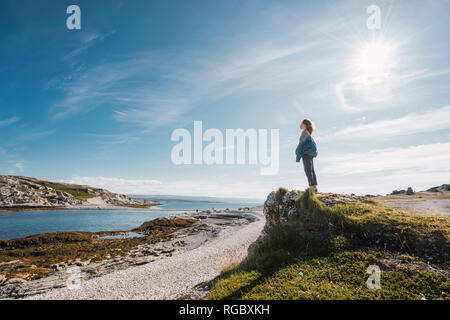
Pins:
x: 299, y: 150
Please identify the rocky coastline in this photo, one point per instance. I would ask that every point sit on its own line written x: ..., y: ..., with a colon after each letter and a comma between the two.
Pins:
x: 161, y: 238
x: 25, y: 193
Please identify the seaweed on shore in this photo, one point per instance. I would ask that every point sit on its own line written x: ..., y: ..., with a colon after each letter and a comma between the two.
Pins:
x: 36, y: 256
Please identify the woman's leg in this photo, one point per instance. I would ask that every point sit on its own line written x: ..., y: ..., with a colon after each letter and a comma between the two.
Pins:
x: 307, y: 165
x: 314, y: 179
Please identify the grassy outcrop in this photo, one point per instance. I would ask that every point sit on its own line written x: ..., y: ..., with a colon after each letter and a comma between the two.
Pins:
x: 77, y: 191
x: 315, y: 251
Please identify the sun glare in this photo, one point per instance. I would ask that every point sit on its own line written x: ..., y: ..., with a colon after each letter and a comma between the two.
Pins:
x: 374, y: 58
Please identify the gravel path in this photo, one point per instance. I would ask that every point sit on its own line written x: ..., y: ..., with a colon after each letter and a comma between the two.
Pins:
x: 172, y: 277
x: 420, y: 205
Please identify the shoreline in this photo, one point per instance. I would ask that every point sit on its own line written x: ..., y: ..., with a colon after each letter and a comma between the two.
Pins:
x: 75, y: 208
x: 198, y: 255
x: 153, y: 208
x: 206, y: 229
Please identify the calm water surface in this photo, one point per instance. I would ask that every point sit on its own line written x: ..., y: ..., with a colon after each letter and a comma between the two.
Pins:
x: 19, y: 224
x: 201, y: 203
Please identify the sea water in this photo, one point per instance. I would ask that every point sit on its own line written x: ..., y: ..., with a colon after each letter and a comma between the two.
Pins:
x: 20, y: 224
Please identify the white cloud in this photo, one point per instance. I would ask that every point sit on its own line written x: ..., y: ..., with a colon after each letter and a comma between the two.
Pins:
x: 119, y: 185
x: 19, y: 166
x: 33, y: 134
x: 86, y: 41
x: 114, y: 139
x: 232, y: 188
x: 10, y: 164
x: 433, y: 120
x: 426, y: 158
x: 7, y: 122
x: 184, y: 82
x: 358, y: 92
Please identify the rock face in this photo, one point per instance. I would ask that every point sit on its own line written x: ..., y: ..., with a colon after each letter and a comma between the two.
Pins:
x: 276, y: 213
x: 444, y: 187
x: 408, y: 192
x: 280, y: 205
x: 16, y: 191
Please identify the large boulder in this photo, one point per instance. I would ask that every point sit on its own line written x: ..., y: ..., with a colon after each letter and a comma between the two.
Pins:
x: 280, y: 205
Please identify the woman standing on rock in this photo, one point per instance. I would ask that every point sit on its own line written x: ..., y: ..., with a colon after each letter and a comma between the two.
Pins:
x: 307, y: 150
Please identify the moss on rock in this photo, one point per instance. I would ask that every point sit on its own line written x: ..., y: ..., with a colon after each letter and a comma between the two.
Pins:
x: 315, y: 249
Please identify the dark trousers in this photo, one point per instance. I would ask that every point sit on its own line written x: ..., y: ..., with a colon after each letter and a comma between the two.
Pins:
x: 308, y: 165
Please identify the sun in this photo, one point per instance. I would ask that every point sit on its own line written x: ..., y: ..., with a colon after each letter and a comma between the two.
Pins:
x: 374, y: 58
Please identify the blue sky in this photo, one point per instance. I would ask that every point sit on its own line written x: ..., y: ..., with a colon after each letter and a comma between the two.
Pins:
x: 98, y: 105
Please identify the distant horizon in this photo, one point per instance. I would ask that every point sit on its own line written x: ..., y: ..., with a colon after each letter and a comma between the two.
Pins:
x: 259, y: 199
x: 186, y: 197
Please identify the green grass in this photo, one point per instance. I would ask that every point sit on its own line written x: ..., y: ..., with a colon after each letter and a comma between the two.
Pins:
x: 323, y: 253
x: 77, y: 191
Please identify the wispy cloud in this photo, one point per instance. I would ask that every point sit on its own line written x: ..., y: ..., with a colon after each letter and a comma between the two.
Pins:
x: 87, y: 41
x: 412, y: 123
x: 127, y: 186
x: 115, y: 83
x: 11, y: 163
x: 114, y: 139
x: 422, y: 158
x: 358, y: 93
x: 10, y: 121
x: 33, y: 134
x: 20, y: 166
x: 128, y: 86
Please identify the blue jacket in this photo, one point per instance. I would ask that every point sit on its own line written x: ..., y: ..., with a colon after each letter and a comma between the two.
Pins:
x: 306, y: 145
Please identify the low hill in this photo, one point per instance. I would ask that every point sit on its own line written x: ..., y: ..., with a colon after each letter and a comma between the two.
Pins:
x: 442, y: 188
x: 24, y: 192
x: 329, y: 246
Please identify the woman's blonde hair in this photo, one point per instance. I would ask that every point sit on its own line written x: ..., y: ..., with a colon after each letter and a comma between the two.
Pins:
x: 309, y: 125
